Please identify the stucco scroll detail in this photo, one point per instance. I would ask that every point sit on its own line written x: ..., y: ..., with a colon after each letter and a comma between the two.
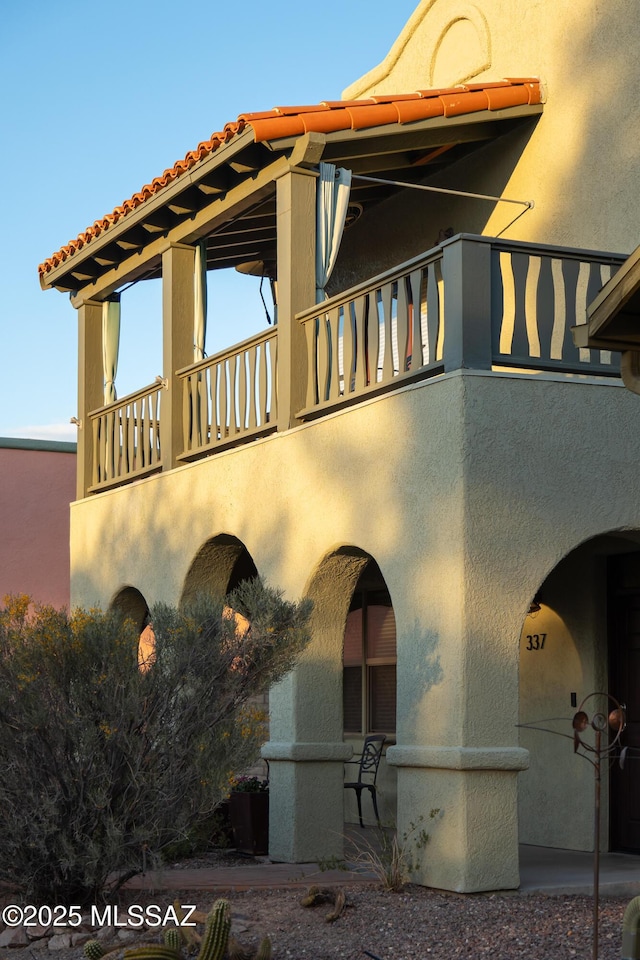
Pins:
x: 462, y: 49
x: 459, y: 758
x: 442, y: 44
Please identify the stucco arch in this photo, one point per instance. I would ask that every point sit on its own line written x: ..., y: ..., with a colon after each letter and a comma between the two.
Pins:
x: 130, y: 602
x: 563, y: 656
x: 220, y: 564
x: 307, y: 747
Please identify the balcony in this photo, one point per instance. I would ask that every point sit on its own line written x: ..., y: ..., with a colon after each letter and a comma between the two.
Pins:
x: 473, y: 302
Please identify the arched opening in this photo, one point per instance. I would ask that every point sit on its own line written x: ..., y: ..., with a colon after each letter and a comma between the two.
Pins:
x: 132, y: 605
x: 581, y: 635
x: 369, y: 657
x: 219, y: 565
x: 353, y: 627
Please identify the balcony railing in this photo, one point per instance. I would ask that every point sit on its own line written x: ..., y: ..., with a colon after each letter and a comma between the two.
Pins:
x: 474, y: 302
x: 538, y: 294
x: 231, y: 397
x: 126, y: 438
x: 376, y: 336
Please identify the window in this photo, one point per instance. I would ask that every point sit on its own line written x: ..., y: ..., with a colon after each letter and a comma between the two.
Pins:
x: 369, y: 664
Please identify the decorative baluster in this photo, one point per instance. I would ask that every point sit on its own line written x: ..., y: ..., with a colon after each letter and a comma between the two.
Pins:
x: 545, y: 307
x: 348, y: 348
x: 273, y: 407
x: 532, y: 314
x: 97, y: 472
x: 571, y: 273
x: 333, y: 332
x: 310, y: 329
x: 143, y: 430
x: 129, y: 458
x: 110, y: 463
x: 233, y: 395
x: 360, y: 365
x: 373, y: 337
x: 387, y: 360
x: 252, y: 359
x: 212, y: 426
x: 415, y: 355
x: 403, y: 327
x: 202, y: 410
x: 242, y: 392
x: 436, y: 330
x: 262, y: 394
x: 187, y: 418
x: 324, y: 358
x: 519, y: 268
x: 223, y: 386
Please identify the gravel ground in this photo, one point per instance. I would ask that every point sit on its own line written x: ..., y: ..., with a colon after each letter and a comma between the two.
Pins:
x: 411, y: 925
x: 414, y: 924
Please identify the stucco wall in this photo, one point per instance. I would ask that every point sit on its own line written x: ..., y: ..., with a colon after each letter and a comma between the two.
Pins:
x: 580, y: 164
x: 468, y: 491
x: 38, y: 481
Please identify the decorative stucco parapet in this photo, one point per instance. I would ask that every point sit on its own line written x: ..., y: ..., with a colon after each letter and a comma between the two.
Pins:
x: 310, y: 752
x: 459, y: 758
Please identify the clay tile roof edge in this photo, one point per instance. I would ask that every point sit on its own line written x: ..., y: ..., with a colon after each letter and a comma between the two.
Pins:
x: 285, y: 121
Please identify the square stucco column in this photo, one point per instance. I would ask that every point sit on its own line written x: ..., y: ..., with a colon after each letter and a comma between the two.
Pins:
x: 457, y: 677
x: 306, y: 753
x: 473, y: 843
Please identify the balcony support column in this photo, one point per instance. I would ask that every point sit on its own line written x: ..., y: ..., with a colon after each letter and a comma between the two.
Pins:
x: 90, y: 388
x: 466, y: 275
x: 296, y: 225
x: 178, y: 267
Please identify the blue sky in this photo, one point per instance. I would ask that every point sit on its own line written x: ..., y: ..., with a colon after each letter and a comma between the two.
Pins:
x: 97, y: 99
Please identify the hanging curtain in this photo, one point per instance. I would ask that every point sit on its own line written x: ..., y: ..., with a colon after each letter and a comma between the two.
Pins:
x: 331, y: 213
x: 200, y: 301
x: 110, y: 346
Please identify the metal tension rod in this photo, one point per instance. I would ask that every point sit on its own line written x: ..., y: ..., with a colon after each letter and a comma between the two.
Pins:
x: 457, y: 193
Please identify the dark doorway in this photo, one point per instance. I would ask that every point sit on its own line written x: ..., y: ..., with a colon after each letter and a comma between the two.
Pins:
x: 624, y: 684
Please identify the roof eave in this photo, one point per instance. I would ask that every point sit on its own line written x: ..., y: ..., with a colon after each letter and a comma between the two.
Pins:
x: 117, y: 231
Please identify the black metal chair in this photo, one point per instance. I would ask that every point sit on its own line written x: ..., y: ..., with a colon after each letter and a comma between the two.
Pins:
x: 368, y: 767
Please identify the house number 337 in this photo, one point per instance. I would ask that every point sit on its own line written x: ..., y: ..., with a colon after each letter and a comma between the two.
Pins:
x: 535, y: 641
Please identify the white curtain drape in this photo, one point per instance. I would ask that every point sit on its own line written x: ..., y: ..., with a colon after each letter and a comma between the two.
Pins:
x: 110, y: 347
x: 200, y: 301
x: 332, y: 200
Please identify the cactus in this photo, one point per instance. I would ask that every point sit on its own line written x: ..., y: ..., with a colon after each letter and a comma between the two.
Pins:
x: 93, y: 950
x: 237, y: 951
x: 264, y: 950
x: 152, y: 951
x: 173, y: 939
x: 216, y: 932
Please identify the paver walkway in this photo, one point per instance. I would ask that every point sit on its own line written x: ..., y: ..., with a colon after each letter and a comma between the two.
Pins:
x: 542, y: 870
x: 260, y: 875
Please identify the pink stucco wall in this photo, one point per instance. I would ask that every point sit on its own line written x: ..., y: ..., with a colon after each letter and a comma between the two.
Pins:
x: 37, y: 484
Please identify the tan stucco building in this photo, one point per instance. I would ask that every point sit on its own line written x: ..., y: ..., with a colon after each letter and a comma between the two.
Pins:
x: 426, y: 453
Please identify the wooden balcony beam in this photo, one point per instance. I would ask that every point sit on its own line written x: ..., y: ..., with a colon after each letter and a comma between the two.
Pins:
x: 237, y: 201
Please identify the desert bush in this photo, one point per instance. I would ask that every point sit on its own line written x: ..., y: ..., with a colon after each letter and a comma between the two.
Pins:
x: 105, y: 765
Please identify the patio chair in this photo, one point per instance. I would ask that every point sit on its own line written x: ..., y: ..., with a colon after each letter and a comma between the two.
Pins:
x: 367, y: 768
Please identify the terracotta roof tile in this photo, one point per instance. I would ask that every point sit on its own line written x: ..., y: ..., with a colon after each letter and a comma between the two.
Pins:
x: 326, y: 117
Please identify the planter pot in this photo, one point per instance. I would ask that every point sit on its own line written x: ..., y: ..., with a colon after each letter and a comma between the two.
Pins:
x: 250, y: 822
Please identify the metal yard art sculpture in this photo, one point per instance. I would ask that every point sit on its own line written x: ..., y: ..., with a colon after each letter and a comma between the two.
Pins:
x: 597, y: 739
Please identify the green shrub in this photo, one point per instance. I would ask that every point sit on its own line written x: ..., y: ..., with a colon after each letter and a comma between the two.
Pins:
x: 105, y: 765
